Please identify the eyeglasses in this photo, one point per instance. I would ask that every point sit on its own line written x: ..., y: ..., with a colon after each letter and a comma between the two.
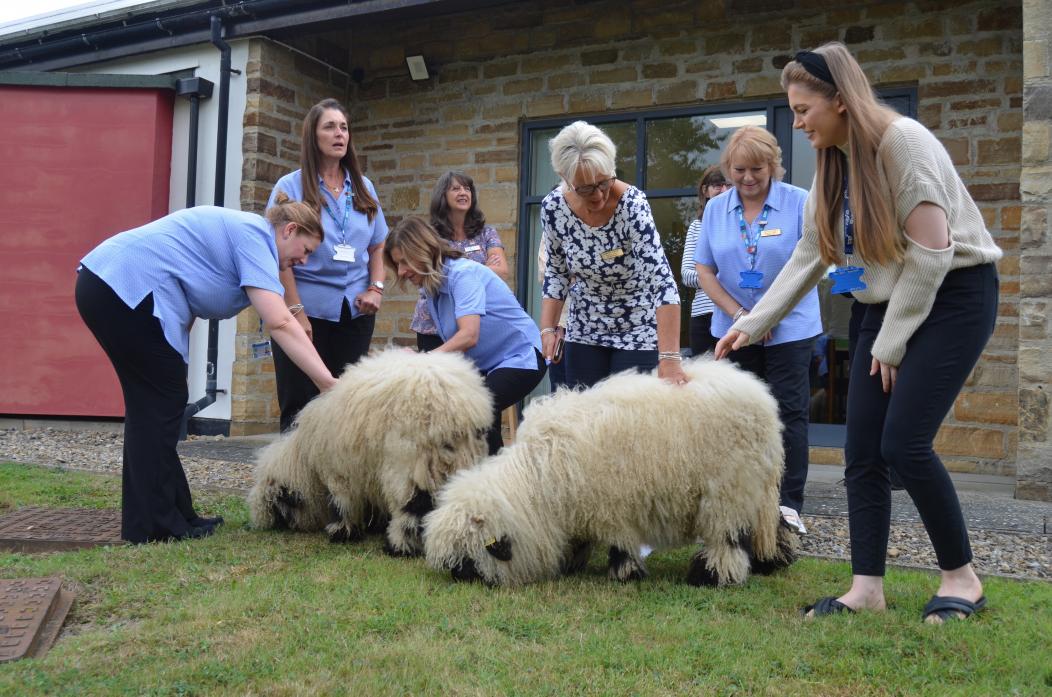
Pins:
x: 589, y: 189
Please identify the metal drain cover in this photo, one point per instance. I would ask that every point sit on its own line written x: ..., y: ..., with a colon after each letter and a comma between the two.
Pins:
x: 32, y: 611
x: 36, y: 529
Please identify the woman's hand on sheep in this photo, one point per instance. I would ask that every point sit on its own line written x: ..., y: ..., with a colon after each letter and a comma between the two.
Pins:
x: 731, y: 341
x: 672, y: 372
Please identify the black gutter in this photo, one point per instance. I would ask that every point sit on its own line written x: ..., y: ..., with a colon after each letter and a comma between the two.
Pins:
x: 212, y: 361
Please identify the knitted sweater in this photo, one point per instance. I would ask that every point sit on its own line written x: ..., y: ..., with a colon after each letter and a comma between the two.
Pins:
x: 917, y: 169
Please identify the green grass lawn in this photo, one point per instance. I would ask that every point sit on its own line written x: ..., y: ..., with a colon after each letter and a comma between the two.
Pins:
x: 247, y: 612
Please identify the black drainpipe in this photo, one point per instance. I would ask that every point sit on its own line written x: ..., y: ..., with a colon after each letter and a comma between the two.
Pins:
x: 211, y: 383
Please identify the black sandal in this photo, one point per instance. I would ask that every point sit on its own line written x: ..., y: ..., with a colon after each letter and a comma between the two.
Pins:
x: 827, y: 606
x: 946, y: 607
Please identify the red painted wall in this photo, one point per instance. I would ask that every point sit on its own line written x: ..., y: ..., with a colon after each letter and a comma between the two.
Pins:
x: 77, y: 165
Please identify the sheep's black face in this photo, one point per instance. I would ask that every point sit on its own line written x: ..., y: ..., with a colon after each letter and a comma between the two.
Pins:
x: 465, y: 570
x: 285, y: 507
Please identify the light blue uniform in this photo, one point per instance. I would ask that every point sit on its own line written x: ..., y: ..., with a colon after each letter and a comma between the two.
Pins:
x: 507, y: 335
x: 324, y: 283
x: 197, y: 262
x: 720, y: 247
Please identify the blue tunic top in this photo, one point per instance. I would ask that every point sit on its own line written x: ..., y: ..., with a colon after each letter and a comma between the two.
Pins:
x: 324, y: 283
x: 720, y: 247
x: 507, y: 335
x: 197, y: 262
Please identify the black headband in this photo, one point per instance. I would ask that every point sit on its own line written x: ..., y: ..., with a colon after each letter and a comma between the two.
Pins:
x: 816, y: 65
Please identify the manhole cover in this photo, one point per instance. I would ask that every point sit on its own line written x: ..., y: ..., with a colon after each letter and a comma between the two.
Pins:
x: 35, y: 529
x: 32, y: 611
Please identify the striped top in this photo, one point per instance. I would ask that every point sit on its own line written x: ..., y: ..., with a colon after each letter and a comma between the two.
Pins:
x: 688, y: 272
x: 917, y: 169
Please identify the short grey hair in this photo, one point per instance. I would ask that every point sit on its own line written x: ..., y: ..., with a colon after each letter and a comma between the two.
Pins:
x: 582, y: 145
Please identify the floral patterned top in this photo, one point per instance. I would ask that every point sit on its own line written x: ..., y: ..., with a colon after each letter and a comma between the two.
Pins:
x: 620, y: 272
x: 476, y: 249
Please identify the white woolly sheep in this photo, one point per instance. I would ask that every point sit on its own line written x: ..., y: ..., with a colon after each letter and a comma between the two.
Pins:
x: 632, y: 461
x: 377, y: 445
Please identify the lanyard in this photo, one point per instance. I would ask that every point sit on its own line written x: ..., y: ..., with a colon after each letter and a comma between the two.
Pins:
x: 751, y: 241
x: 346, y: 212
x: 849, y: 222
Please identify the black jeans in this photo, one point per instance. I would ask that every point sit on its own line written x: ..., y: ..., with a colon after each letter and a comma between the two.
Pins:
x: 701, y: 338
x: 428, y: 342
x: 155, y: 496
x: 786, y: 369
x: 587, y: 364
x: 338, y: 344
x: 509, y: 386
x: 895, y: 431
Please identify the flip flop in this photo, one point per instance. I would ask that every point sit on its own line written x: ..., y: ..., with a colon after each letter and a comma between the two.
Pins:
x: 827, y: 606
x: 946, y: 607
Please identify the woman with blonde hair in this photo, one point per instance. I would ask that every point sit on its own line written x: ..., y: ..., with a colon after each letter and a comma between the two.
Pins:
x: 747, y: 236
x: 889, y: 210
x: 139, y: 292
x: 600, y: 232
x: 474, y: 312
x: 338, y: 293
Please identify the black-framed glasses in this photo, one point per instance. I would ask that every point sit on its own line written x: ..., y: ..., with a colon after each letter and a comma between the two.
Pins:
x: 589, y: 189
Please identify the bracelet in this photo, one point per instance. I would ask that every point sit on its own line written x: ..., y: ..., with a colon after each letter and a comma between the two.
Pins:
x: 547, y: 330
x: 376, y: 289
x: 670, y: 356
x: 298, y: 307
x: 741, y: 311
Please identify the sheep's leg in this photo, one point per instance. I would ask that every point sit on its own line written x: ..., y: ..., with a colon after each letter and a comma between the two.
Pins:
x: 405, y: 531
x: 785, y: 555
x: 577, y: 557
x: 340, y: 528
x: 721, y: 561
x: 625, y: 566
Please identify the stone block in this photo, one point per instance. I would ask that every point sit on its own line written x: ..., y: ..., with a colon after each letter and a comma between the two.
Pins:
x: 563, y: 81
x: 679, y: 92
x: 998, y: 151
x: 708, y: 65
x: 495, y: 69
x: 988, y: 407
x: 496, y: 156
x: 952, y: 88
x: 615, y: 25
x: 1002, y: 17
x: 720, y: 90
x: 763, y: 85
x: 587, y: 103
x: 1007, y: 191
x: 613, y: 76
x: 659, y: 70
x: 913, y: 27
x: 1033, y: 414
x: 600, y: 57
x: 1037, y: 102
x: 1037, y: 137
x: 546, y: 106
x: 970, y: 441
x: 527, y: 86
x: 633, y: 98
x: 1035, y: 59
x: 407, y: 198
x: 959, y: 150
x: 678, y: 47
x: 858, y: 34
x: 1036, y: 182
x: 990, y: 46
x: 993, y: 375
x: 1033, y: 227
x: 748, y: 65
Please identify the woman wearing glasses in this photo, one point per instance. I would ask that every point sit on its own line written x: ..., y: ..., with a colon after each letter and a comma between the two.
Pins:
x: 711, y: 185
x: 599, y: 231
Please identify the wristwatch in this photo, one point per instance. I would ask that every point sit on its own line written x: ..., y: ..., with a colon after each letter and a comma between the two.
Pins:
x: 378, y: 285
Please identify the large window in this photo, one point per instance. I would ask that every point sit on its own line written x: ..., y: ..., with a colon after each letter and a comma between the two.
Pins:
x: 664, y: 153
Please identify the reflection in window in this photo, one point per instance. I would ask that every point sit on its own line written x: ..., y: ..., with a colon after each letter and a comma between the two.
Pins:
x: 679, y: 149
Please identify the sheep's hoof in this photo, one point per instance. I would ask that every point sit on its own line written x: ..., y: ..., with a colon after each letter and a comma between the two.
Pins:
x: 700, y: 574
x: 341, y: 533
x: 784, y: 557
x: 624, y: 567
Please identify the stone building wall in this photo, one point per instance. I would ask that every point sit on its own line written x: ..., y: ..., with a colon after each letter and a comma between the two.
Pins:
x: 491, y: 69
x: 1034, y: 476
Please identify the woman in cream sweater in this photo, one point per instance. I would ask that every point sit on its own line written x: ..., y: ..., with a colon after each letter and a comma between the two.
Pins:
x: 889, y: 210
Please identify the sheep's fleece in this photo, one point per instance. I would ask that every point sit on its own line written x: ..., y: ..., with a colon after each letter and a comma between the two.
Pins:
x: 377, y: 445
x: 632, y: 461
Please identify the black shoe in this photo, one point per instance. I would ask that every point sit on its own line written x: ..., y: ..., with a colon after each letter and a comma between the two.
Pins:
x: 202, y: 522
x: 194, y: 533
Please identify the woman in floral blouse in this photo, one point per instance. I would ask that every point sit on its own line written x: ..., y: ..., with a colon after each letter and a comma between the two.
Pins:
x: 600, y: 232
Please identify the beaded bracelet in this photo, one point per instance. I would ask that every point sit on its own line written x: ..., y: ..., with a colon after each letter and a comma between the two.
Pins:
x: 298, y: 307
x: 670, y: 356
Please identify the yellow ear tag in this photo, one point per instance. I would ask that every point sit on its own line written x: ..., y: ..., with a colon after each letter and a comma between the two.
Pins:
x: 491, y: 541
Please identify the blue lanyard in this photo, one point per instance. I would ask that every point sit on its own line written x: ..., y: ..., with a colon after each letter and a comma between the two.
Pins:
x: 346, y: 212
x: 750, y: 240
x: 849, y: 222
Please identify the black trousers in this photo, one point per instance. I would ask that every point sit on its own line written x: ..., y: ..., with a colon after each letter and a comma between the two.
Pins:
x: 338, y: 344
x: 428, y: 342
x: 155, y: 496
x: 895, y: 431
x: 587, y: 364
x: 701, y: 338
x: 509, y: 386
x: 785, y: 368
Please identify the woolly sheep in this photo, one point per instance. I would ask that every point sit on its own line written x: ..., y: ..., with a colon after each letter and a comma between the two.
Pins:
x: 377, y: 445
x: 633, y: 461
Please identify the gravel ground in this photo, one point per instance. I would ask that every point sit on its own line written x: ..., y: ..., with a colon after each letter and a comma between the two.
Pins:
x: 1000, y: 552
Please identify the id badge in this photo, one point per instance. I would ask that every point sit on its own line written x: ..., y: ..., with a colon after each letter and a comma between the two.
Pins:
x: 751, y: 279
x: 611, y: 254
x: 846, y: 279
x: 772, y: 232
x: 473, y: 248
x: 344, y: 252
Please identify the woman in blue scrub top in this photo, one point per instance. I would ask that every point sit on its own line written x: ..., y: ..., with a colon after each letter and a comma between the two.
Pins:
x: 474, y: 312
x: 139, y: 293
x: 747, y: 236
x: 340, y: 289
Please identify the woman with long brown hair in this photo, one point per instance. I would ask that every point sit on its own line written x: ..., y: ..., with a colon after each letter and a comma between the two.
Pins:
x: 889, y: 210
x: 337, y: 294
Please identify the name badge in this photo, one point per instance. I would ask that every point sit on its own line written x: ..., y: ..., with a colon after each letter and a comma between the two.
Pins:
x: 473, y: 248
x: 611, y: 254
x: 750, y: 279
x: 344, y: 252
x: 773, y: 232
x: 847, y: 279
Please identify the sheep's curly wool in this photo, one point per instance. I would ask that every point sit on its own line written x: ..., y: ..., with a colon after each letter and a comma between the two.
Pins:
x: 633, y: 461
x: 377, y: 445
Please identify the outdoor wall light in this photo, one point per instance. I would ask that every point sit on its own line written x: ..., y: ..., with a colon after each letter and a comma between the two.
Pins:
x: 417, y: 67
